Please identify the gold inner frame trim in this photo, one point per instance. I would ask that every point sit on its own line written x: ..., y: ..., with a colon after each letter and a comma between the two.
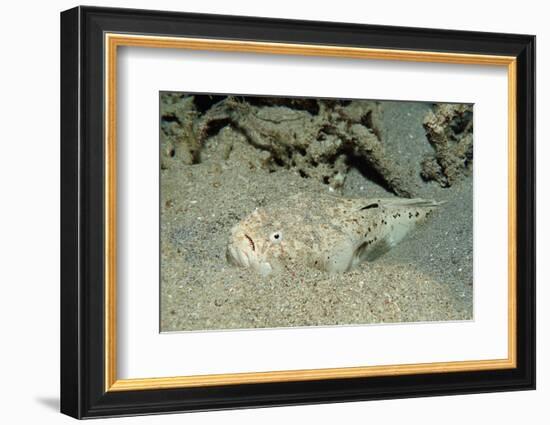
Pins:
x: 113, y: 41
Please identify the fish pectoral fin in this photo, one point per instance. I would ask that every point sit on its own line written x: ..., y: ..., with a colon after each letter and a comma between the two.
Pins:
x: 372, y: 252
x: 340, y: 258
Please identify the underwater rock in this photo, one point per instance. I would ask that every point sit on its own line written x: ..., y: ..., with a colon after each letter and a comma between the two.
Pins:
x: 319, y: 146
x: 178, y: 140
x: 449, y: 128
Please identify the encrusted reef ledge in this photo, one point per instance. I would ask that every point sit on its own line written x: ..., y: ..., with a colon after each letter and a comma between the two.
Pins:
x: 320, y: 139
x: 449, y: 128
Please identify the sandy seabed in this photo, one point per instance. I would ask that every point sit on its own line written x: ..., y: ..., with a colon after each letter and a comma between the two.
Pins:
x: 427, y: 277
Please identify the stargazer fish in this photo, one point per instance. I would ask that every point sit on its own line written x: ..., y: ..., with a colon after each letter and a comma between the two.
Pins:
x: 323, y: 231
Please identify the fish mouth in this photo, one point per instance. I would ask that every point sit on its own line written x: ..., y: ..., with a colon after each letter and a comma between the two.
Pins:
x: 236, y: 256
x: 240, y: 253
x: 241, y: 250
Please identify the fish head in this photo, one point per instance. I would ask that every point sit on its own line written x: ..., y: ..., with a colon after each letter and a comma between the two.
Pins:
x: 255, y: 243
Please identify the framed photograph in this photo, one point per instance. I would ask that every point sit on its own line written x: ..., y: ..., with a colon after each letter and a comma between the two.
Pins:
x: 261, y: 212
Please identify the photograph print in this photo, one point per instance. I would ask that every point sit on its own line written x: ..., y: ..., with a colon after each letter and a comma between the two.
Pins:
x: 281, y: 212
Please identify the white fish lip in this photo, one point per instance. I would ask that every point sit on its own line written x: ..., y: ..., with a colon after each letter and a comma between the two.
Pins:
x: 241, y: 258
x: 237, y: 256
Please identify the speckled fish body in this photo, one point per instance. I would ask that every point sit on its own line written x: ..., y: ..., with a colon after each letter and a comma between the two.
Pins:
x: 322, y: 231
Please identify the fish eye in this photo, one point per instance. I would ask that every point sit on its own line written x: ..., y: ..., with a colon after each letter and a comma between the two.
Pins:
x: 276, y: 237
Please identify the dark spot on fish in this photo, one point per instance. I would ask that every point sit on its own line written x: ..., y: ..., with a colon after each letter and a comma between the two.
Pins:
x: 417, y: 214
x: 366, y: 207
x: 410, y: 215
x: 251, y: 242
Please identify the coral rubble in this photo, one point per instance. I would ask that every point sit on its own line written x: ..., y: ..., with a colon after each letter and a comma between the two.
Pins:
x: 320, y: 139
x: 449, y: 128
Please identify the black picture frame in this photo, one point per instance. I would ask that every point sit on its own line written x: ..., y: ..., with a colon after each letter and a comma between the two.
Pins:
x: 83, y: 392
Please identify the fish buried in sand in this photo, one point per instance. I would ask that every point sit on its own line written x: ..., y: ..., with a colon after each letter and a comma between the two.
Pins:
x: 326, y: 232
